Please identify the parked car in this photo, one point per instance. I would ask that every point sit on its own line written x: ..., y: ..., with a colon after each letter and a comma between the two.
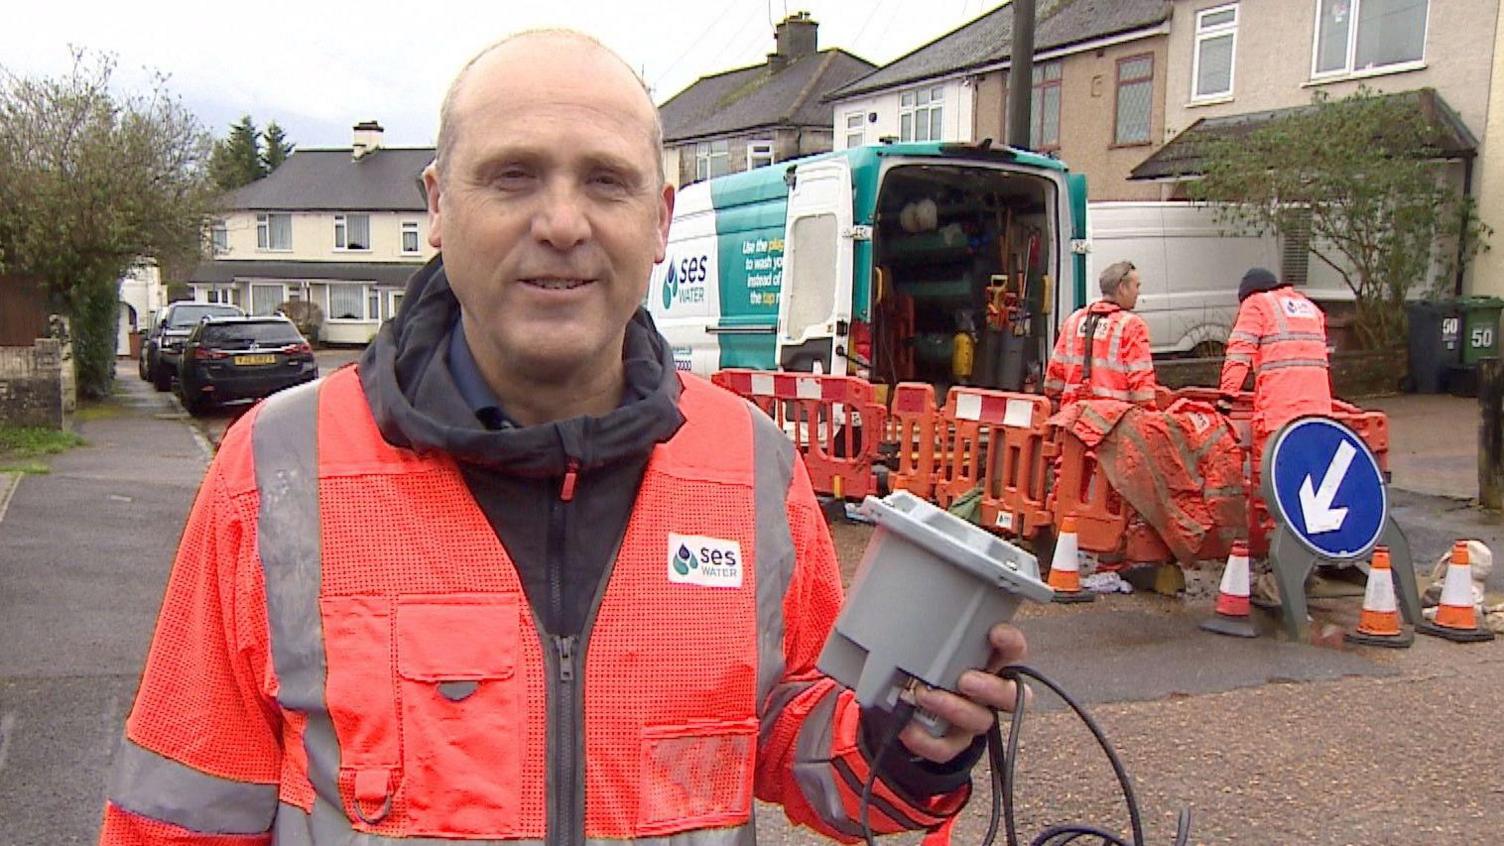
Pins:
x: 163, y: 344
x: 242, y: 358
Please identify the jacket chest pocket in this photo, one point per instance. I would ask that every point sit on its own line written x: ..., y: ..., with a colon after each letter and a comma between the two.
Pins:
x: 427, y: 701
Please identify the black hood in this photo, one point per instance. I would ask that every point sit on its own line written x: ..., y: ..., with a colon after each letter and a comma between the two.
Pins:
x: 405, y: 373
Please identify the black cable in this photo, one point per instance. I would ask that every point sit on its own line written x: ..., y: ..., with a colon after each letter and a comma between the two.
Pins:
x: 1003, y: 764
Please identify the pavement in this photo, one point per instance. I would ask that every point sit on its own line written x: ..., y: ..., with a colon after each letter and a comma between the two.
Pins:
x: 1266, y: 740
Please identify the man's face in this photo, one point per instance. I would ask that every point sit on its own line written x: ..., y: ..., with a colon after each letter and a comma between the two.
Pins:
x: 550, y: 212
x: 1128, y: 290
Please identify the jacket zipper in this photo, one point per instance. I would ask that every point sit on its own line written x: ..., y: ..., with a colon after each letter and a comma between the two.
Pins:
x: 566, y: 823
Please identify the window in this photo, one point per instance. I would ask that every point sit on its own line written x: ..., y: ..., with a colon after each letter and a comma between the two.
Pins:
x: 274, y: 232
x: 712, y: 159
x: 409, y: 236
x: 223, y: 296
x: 393, y: 303
x: 1353, y: 36
x: 920, y: 114
x: 347, y: 302
x: 759, y: 153
x: 266, y: 297
x: 856, y: 132
x: 219, y: 237
x: 1135, y: 99
x: 1044, y: 111
x: 352, y: 232
x: 1216, y: 41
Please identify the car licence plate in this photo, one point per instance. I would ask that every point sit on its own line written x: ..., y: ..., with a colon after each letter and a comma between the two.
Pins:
x: 255, y: 359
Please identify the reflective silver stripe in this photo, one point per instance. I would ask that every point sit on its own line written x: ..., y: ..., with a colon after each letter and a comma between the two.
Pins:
x: 1240, y: 335
x: 159, y: 788
x: 773, y: 470
x: 1293, y: 362
x: 813, y: 771
x: 285, y: 446
x: 1100, y: 392
x: 1141, y: 396
x: 1240, y: 358
x: 1115, y: 340
x: 295, y: 827
x: 1280, y: 324
x: 1278, y: 337
x: 1230, y: 490
x: 1119, y: 366
x: 1070, y: 359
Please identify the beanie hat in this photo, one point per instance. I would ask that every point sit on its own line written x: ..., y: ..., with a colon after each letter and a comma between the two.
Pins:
x: 1255, y: 280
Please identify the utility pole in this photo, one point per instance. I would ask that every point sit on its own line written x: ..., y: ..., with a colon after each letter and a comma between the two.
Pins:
x: 1021, y: 74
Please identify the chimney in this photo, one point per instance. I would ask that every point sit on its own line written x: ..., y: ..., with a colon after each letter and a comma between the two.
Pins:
x: 367, y: 138
x: 797, y: 36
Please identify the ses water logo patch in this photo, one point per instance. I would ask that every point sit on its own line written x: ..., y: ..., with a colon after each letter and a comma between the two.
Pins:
x: 704, y: 561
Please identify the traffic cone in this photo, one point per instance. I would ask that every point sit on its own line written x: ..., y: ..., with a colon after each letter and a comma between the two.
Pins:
x: 1233, y: 614
x: 1456, y: 618
x: 1065, y: 567
x: 1379, y: 622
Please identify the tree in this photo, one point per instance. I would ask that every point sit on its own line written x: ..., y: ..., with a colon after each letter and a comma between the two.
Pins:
x: 92, y: 182
x: 1362, y: 178
x: 236, y: 159
x: 276, y: 147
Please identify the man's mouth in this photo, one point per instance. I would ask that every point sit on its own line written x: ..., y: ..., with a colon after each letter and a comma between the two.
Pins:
x: 556, y: 284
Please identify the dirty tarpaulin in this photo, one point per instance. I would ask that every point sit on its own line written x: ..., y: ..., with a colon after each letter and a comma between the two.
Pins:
x: 1181, y: 470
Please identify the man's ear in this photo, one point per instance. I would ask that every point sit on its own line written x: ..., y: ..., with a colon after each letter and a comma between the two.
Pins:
x: 665, y: 218
x: 432, y: 186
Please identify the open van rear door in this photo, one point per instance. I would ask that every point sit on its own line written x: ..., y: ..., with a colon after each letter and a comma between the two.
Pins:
x: 814, y: 308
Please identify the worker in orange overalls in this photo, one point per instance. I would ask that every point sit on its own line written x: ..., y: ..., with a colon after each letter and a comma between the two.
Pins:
x: 513, y: 579
x: 1281, y: 336
x: 1102, y: 351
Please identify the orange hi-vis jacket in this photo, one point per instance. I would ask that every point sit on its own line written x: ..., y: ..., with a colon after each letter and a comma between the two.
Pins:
x: 1118, y: 365
x: 1281, y: 335
x: 346, y: 655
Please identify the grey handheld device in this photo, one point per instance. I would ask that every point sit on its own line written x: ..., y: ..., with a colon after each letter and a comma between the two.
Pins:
x: 929, y: 588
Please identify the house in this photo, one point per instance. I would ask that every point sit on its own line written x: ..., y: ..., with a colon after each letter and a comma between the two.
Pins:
x: 1488, y: 268
x: 141, y: 293
x: 1235, y: 65
x: 1098, y: 89
x: 758, y: 115
x: 343, y: 228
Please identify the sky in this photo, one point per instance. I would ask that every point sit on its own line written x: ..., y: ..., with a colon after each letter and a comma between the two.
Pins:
x: 318, y: 67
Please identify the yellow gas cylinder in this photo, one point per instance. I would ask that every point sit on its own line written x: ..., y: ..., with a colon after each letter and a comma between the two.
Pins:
x: 963, y: 356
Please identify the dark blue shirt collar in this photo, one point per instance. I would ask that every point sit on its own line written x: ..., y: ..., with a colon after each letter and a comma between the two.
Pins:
x: 471, y: 384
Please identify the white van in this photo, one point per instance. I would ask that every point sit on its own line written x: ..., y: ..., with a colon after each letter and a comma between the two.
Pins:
x: 1190, y: 264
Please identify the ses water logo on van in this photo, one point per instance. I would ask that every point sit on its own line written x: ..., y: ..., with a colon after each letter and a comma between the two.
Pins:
x: 708, y: 562
x: 684, y: 280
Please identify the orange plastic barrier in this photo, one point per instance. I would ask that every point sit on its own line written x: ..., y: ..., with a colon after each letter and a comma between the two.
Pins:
x: 826, y: 417
x: 912, y: 420
x: 1081, y: 488
x: 998, y: 441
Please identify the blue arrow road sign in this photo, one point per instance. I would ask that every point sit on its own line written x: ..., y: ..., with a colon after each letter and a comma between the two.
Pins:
x: 1326, y: 487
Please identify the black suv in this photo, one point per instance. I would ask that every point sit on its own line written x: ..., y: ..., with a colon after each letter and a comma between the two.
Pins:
x: 242, y: 358
x: 163, y: 344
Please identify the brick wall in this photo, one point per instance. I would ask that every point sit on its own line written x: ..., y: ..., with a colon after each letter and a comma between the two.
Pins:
x: 31, y: 384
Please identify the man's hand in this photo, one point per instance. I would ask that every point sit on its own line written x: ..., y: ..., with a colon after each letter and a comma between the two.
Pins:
x: 971, y: 713
x: 1223, y: 406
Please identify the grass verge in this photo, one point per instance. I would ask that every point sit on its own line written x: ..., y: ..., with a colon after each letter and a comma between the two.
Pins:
x: 22, y: 446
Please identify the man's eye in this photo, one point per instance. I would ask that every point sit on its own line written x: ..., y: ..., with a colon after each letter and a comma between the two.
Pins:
x: 608, y: 180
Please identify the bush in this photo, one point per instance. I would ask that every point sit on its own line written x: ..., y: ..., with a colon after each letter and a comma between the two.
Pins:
x: 307, y: 316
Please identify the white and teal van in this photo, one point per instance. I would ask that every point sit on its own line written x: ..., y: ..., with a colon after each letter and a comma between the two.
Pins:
x: 878, y: 261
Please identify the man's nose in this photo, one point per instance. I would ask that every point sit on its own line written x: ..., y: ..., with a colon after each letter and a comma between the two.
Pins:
x: 560, y: 220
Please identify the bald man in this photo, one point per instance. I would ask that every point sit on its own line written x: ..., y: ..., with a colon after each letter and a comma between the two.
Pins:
x: 512, y: 578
